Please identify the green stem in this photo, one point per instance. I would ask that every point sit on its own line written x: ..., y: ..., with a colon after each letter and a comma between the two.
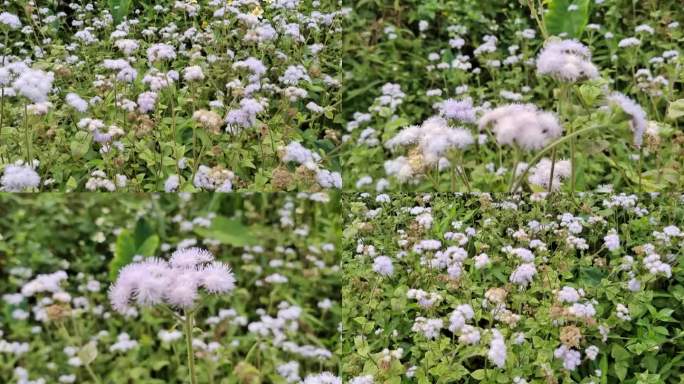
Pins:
x: 26, y: 135
x: 553, y: 166
x: 553, y: 145
x: 92, y: 374
x: 516, y: 160
x: 188, y: 341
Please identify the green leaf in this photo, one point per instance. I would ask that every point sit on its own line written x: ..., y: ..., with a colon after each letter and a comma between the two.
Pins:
x: 119, y: 9
x: 621, y: 370
x: 675, y: 110
x: 478, y: 374
x: 88, y: 353
x: 228, y: 231
x: 148, y: 247
x: 559, y: 19
x: 619, y: 353
x: 124, y: 251
x: 80, y: 144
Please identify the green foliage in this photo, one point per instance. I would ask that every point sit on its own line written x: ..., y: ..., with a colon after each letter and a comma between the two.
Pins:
x: 120, y: 9
x: 140, y: 242
x: 562, y: 19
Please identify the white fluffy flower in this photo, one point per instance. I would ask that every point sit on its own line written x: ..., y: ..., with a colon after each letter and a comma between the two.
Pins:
x: 434, y: 138
x: 523, y: 274
x: 383, y: 266
x: 34, y: 84
x: 638, y: 120
x: 497, y: 349
x: 612, y: 240
x: 10, y: 20
x: 571, y: 358
x: 567, y: 60
x: 523, y: 125
x: 18, y: 178
x: 540, y: 174
x: 76, y: 102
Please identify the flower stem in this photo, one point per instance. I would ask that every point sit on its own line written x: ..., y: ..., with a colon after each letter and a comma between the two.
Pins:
x: 553, y: 165
x: 188, y: 341
x: 553, y: 145
x: 26, y: 135
x: 516, y: 160
x: 92, y: 374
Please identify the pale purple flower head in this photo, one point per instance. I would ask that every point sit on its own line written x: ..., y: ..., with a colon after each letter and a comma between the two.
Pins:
x: 175, y: 283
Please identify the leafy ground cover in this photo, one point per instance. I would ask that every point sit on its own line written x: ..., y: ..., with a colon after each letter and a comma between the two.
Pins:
x: 441, y: 288
x: 177, y: 96
x: 61, y: 322
x: 500, y: 96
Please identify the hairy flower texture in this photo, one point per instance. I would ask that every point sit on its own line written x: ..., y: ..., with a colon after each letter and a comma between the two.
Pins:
x: 322, y: 378
x: 540, y: 174
x: 10, y: 20
x: 34, y: 84
x: 430, y: 328
x: 214, y: 179
x: 383, y: 266
x: 612, y: 240
x: 566, y: 60
x: 76, y: 102
x: 297, y: 153
x: 19, y: 177
x: 460, y: 316
x: 160, y: 52
x: 638, y: 119
x: 523, y: 125
x: 497, y: 349
x: 523, y: 274
x: 461, y: 110
x: 571, y: 358
x: 147, y: 101
x: 155, y: 281
x: 433, y: 139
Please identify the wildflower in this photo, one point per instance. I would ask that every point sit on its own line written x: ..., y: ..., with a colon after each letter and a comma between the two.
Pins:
x: 433, y: 139
x: 193, y: 73
x: 160, y: 52
x: 540, y: 174
x: 176, y: 282
x: 638, y: 121
x: 147, y: 101
x: 430, y: 328
x: 571, y: 358
x: 461, y: 110
x: 567, y: 60
x: 76, y: 102
x: 523, y: 274
x: 612, y: 240
x: 523, y: 125
x: 383, y: 266
x: 497, y: 349
x: 10, y: 20
x: 19, y: 177
x: 34, y: 84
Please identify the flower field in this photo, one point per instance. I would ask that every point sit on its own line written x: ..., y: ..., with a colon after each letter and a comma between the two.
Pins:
x: 502, y: 96
x: 127, y: 95
x: 510, y: 289
x: 341, y: 191
x: 100, y: 289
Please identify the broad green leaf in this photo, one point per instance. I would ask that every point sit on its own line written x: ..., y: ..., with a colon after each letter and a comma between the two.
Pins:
x: 120, y: 9
x: 675, y: 110
x: 80, y: 144
x: 123, y: 253
x: 88, y: 353
x: 148, y: 247
x: 567, y: 16
x: 228, y: 231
